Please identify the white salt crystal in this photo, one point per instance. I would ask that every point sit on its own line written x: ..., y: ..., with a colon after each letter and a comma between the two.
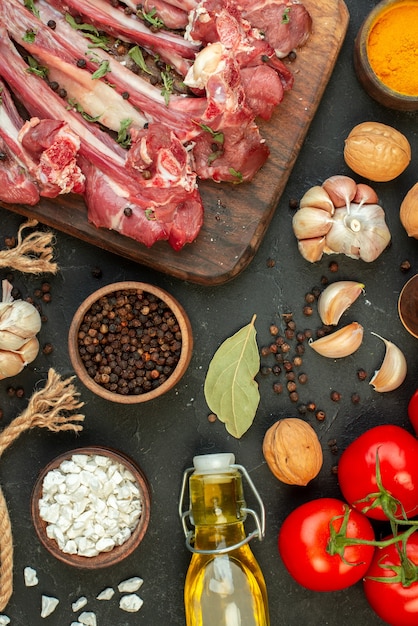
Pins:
x: 131, y: 603
x: 31, y: 578
x: 49, y: 605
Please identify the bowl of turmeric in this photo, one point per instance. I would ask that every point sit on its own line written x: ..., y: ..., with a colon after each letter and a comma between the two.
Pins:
x: 385, y: 57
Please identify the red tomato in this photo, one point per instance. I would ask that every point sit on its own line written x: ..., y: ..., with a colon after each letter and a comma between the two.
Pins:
x: 303, y: 540
x: 397, y: 450
x: 394, y: 603
x: 413, y: 411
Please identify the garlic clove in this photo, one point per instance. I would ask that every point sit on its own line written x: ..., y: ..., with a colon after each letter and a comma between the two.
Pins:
x: 341, y: 343
x: 29, y: 351
x: 336, y: 299
x: 310, y: 222
x: 317, y: 197
x: 365, y: 195
x: 393, y: 370
x: 341, y: 189
x: 10, y: 341
x: 10, y: 364
x: 312, y: 249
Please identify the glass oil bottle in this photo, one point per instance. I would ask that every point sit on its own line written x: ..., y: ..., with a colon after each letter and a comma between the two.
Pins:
x: 224, y: 585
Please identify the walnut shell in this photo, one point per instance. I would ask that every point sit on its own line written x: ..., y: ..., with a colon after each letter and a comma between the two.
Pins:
x: 409, y: 212
x: 292, y: 451
x: 377, y: 151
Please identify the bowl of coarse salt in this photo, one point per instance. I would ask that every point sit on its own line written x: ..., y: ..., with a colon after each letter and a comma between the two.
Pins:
x: 91, y: 507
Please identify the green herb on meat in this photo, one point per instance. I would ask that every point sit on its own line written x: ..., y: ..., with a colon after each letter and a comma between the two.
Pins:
x: 237, y: 175
x: 124, y: 136
x: 286, y: 16
x: 34, y: 68
x: 30, y: 5
x: 168, y: 82
x: 151, y: 18
x: 150, y: 215
x: 101, y: 71
x: 29, y: 36
x: 90, y: 32
x: 137, y: 57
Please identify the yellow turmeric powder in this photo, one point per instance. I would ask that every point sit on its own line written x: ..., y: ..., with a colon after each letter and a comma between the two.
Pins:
x: 392, y: 48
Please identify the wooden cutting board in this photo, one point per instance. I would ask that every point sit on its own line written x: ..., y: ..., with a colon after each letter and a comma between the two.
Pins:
x: 236, y: 216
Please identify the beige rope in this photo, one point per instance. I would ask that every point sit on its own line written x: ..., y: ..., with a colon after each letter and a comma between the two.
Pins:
x: 51, y: 407
x: 33, y: 254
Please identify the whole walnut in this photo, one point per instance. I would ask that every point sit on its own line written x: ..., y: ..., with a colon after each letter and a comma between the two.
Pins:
x: 292, y: 451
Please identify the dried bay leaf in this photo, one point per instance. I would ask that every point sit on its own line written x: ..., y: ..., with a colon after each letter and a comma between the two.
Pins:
x: 230, y: 389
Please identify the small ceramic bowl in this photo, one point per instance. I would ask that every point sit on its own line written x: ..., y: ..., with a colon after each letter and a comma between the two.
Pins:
x: 147, y: 371
x: 117, y: 553
x: 372, y: 84
x: 408, y: 306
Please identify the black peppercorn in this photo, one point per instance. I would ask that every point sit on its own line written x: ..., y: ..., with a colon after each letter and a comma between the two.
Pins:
x: 361, y: 374
x: 130, y: 342
x: 335, y: 396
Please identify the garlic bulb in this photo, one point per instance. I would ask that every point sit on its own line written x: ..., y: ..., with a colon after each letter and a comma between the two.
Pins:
x: 341, y: 343
x: 20, y: 321
x: 393, y: 370
x: 355, y: 227
x: 336, y: 299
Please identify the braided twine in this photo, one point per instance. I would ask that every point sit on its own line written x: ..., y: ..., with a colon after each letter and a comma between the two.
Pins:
x: 52, y: 407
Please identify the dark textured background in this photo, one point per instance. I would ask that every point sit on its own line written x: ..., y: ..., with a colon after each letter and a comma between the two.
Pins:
x: 164, y: 436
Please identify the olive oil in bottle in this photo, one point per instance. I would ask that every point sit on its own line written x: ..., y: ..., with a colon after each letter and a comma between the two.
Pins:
x: 224, y: 584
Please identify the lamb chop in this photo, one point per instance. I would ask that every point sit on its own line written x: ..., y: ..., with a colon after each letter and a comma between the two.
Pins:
x: 172, y: 48
x: 103, y: 160
x: 16, y: 184
x: 39, y: 157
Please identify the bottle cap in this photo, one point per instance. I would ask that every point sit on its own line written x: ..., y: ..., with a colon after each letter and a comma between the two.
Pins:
x: 214, y: 462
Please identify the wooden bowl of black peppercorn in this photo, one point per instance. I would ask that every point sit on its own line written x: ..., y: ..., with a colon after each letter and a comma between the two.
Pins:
x: 130, y: 342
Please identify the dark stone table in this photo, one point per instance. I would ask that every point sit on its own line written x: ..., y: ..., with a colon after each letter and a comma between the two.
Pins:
x: 163, y: 436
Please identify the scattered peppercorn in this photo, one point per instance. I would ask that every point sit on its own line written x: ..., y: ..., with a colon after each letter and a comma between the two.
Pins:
x: 307, y: 310
x: 277, y: 387
x: 20, y: 392
x: 291, y: 386
x: 320, y: 416
x: 212, y: 417
x: 274, y: 330
x: 335, y: 396
x: 405, y: 266
x: 333, y: 266
x: 48, y: 348
x: 303, y: 378
x: 11, y: 392
x: 309, y: 298
x: 334, y: 469
x: 311, y: 406
x: 96, y: 272
x: 355, y: 398
x: 293, y: 204
x: 46, y: 297
x: 270, y: 262
x: 361, y: 374
x: 302, y: 409
x: 294, y: 396
x: 10, y: 242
